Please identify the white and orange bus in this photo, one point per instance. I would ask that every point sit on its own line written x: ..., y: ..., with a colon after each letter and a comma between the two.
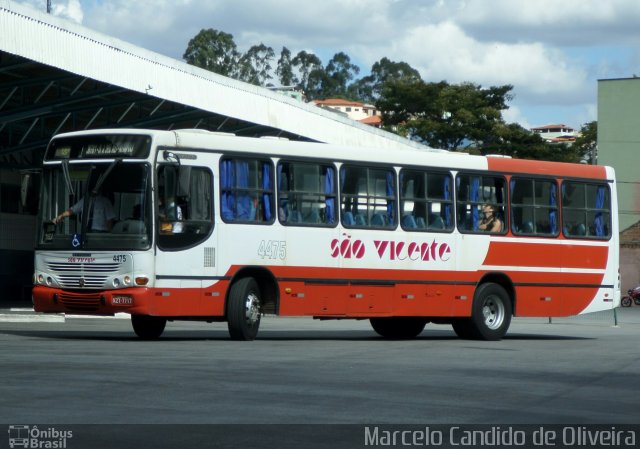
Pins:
x: 215, y: 227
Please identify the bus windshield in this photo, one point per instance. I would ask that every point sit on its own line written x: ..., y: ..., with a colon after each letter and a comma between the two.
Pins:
x: 116, y: 195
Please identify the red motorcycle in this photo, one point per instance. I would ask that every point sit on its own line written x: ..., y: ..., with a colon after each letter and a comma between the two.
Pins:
x: 634, y: 295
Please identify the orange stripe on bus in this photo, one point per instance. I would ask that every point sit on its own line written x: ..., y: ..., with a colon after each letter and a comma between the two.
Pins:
x: 553, y: 169
x: 546, y: 255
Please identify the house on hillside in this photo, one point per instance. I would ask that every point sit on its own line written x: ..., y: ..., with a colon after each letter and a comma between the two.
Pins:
x: 362, y: 112
x: 557, y: 133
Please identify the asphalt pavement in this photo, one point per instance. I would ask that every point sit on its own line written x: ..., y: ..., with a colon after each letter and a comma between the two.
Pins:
x: 78, y: 371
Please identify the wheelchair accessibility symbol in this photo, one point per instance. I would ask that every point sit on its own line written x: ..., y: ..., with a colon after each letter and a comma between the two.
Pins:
x: 76, y: 240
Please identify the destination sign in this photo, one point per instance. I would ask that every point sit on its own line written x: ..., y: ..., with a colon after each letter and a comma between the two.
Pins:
x: 99, y: 146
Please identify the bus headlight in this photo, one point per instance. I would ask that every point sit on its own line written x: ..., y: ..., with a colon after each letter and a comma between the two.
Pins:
x: 40, y: 279
x: 116, y: 282
x: 127, y: 280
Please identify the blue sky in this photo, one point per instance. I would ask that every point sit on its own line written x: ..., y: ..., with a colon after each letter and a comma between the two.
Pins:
x: 551, y: 51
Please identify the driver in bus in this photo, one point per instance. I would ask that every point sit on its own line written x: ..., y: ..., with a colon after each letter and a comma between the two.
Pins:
x: 102, y: 217
x: 490, y: 222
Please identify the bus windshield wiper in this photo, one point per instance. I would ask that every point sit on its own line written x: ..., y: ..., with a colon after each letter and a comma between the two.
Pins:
x: 67, y: 177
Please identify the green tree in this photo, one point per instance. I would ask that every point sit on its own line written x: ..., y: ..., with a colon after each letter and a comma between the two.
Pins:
x: 337, y: 75
x: 515, y: 141
x: 444, y: 115
x: 307, y: 65
x: 587, y: 143
x: 284, y: 70
x: 213, y: 50
x: 255, y: 65
x: 369, y: 88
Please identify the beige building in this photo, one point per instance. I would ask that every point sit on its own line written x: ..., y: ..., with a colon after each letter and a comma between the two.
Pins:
x: 558, y: 133
x: 362, y: 112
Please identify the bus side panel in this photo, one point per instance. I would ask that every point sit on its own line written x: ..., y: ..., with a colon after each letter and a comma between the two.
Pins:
x: 423, y: 300
x: 539, y: 301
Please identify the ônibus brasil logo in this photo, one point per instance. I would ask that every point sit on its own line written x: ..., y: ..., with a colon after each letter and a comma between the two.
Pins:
x: 348, y: 248
x: 33, y: 437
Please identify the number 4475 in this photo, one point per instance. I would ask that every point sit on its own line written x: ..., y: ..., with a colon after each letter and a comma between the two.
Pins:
x: 273, y: 249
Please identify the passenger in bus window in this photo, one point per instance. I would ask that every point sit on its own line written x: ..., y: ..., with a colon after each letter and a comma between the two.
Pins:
x: 490, y: 222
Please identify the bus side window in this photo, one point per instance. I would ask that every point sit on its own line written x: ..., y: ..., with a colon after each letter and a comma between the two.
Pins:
x: 534, y: 206
x: 426, y: 200
x: 475, y: 191
x: 586, y: 210
x: 369, y: 195
x: 306, y: 194
x: 246, y: 191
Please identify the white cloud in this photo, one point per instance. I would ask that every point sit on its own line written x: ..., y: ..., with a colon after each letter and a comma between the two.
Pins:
x: 71, y: 9
x: 514, y: 115
x: 542, y: 47
x: 570, y: 22
x: 445, y: 52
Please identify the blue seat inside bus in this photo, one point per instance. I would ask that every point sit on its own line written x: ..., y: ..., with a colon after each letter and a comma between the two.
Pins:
x: 409, y: 222
x: 378, y: 220
x: 436, y: 222
x: 347, y: 219
x: 313, y: 217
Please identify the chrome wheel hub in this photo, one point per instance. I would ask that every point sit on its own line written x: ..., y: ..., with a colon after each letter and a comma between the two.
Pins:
x: 493, y: 312
x: 252, y: 309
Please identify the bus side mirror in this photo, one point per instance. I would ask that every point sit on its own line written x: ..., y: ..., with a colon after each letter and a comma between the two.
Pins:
x: 29, y: 190
x: 24, y: 189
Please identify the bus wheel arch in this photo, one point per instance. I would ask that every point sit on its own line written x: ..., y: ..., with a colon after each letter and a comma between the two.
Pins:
x: 491, y: 310
x: 252, y: 293
x: 505, y: 282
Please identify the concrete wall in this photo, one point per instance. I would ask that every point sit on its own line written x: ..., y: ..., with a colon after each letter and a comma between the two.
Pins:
x: 619, y: 141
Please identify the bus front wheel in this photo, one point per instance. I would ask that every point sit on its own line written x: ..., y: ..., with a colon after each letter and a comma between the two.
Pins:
x: 244, y: 310
x: 398, y: 327
x: 148, y: 327
x: 490, y: 314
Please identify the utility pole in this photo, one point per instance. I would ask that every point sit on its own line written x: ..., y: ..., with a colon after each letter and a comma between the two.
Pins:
x: 48, y: 6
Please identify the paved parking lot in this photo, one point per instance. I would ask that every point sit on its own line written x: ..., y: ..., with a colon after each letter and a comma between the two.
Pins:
x: 301, y: 371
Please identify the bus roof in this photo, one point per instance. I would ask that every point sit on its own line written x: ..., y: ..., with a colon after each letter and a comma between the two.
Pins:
x: 208, y: 140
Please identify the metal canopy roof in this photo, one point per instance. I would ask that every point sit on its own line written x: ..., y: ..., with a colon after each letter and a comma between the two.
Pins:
x: 57, y: 76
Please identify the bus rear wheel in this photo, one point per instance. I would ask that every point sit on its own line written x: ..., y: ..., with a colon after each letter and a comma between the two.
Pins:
x: 490, y: 315
x: 148, y: 327
x: 244, y: 310
x: 398, y: 327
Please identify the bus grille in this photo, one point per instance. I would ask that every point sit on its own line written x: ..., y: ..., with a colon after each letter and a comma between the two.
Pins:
x: 75, y: 281
x: 80, y: 302
x: 83, y: 275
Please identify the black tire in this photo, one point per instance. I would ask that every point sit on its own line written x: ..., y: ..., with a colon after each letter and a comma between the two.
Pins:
x: 490, y: 313
x: 463, y: 328
x: 625, y: 301
x: 399, y: 327
x: 148, y: 327
x: 244, y: 310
